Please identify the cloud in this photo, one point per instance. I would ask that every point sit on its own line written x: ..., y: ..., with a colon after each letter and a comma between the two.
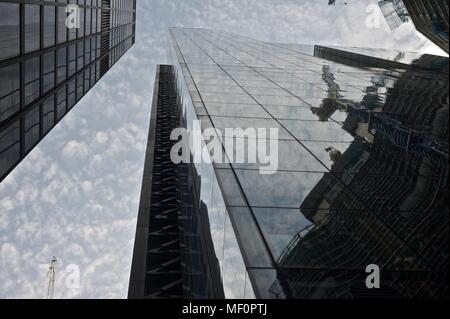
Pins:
x: 76, y: 195
x: 76, y: 149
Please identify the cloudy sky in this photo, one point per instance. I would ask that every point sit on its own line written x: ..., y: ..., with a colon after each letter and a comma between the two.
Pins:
x: 76, y: 195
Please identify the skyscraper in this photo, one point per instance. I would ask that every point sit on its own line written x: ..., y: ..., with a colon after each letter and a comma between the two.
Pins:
x: 46, y: 67
x: 361, y: 180
x: 429, y: 17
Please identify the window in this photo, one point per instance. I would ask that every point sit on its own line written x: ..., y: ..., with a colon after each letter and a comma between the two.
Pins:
x: 93, y: 48
x: 31, y: 128
x: 99, y: 20
x: 71, y: 98
x: 32, y: 27
x: 48, y: 114
x: 61, y: 103
x: 79, y: 86
x: 48, y: 78
x: 86, y: 80
x: 32, y: 81
x: 9, y: 30
x: 72, y: 59
x: 9, y: 90
x: 62, y: 29
x: 92, y: 75
x: 81, y: 28
x: 9, y: 147
x: 87, y: 50
x: 88, y: 22
x: 80, y: 55
x: 62, y: 64
x: 49, y: 26
x: 72, y: 31
x: 94, y: 21
x: 97, y: 71
x: 98, y: 46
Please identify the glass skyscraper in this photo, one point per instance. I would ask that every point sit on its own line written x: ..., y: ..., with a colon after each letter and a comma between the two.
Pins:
x: 362, y: 174
x: 46, y: 67
x: 431, y: 19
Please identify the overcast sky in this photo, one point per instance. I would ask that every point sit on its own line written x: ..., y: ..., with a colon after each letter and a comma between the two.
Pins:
x: 76, y: 195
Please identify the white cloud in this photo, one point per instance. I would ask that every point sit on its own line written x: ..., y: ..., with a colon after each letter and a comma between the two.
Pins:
x: 74, y: 149
x: 6, y: 204
x: 76, y: 195
x: 101, y: 137
x: 87, y: 186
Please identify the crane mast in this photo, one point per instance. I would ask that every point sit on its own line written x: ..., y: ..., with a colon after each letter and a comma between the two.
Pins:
x: 51, y: 274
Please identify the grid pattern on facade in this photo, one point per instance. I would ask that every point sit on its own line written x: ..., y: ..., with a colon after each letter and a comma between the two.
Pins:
x: 431, y: 19
x: 45, y: 67
x: 172, y: 256
x: 346, y: 194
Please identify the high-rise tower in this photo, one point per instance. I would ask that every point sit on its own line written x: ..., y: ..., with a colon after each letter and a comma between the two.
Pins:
x: 46, y: 67
x: 361, y: 179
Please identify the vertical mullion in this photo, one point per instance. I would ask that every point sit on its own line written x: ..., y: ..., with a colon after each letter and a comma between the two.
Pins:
x: 41, y: 68
x: 55, y: 60
x: 22, y: 80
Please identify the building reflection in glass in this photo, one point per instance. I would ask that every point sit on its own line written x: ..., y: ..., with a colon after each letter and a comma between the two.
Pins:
x: 399, y: 219
x: 363, y: 166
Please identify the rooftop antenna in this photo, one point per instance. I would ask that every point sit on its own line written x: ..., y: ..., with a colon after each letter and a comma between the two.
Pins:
x: 51, y: 274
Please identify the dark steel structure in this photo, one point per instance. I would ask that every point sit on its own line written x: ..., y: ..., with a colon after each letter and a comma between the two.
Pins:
x: 431, y: 19
x: 46, y: 67
x: 173, y: 255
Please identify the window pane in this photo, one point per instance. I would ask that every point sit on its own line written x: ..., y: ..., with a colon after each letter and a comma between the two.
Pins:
x: 94, y: 21
x: 48, y: 71
x: 32, y: 79
x: 93, y: 48
x: 31, y: 128
x: 81, y: 29
x: 88, y: 22
x: 92, y: 75
x: 72, y: 59
x: 72, y: 31
x: 79, y: 86
x: 49, y: 26
x: 61, y: 103
x: 9, y: 30
x: 48, y: 114
x: 87, y: 50
x: 32, y: 27
x: 9, y: 147
x: 62, y: 29
x: 71, y: 98
x: 86, y: 80
x: 9, y: 90
x: 62, y: 64
x: 80, y: 55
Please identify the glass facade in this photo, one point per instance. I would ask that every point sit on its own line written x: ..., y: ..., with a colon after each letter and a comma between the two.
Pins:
x: 363, y: 166
x: 430, y: 19
x: 42, y: 69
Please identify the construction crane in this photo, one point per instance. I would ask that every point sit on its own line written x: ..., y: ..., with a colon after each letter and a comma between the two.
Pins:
x: 51, y: 274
